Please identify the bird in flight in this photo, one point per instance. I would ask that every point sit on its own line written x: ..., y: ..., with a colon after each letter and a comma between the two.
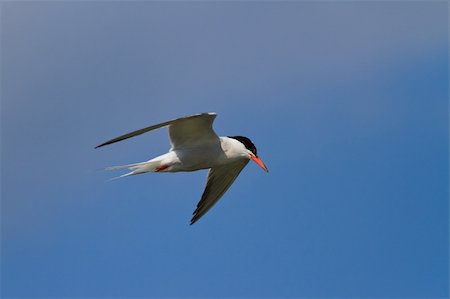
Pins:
x: 195, y: 146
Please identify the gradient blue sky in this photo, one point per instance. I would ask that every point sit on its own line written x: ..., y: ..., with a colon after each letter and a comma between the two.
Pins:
x: 346, y: 101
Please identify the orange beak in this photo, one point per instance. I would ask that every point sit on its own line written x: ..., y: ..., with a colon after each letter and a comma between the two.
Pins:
x: 259, y: 162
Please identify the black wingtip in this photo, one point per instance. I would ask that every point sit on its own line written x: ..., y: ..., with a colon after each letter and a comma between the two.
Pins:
x: 194, y: 219
x: 103, y: 144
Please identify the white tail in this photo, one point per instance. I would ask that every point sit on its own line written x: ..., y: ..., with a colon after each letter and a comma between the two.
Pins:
x: 137, y: 168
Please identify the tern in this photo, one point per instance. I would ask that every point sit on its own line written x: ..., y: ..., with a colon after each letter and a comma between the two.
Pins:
x: 195, y: 146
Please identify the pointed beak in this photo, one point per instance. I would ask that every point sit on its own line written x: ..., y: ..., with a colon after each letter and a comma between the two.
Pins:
x: 259, y: 162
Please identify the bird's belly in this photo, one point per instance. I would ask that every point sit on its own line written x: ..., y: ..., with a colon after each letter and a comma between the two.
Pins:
x: 196, y: 159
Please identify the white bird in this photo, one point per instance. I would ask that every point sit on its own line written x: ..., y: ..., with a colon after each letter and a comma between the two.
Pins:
x: 196, y: 146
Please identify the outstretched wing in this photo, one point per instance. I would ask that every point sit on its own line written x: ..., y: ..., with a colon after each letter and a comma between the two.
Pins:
x: 219, y: 180
x: 183, y: 131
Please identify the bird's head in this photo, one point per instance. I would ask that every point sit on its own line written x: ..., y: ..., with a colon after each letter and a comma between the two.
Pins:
x: 250, y: 150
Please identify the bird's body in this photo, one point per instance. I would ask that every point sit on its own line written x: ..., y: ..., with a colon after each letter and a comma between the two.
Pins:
x: 196, y: 146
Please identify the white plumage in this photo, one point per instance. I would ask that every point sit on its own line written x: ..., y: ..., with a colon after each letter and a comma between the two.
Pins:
x: 194, y: 146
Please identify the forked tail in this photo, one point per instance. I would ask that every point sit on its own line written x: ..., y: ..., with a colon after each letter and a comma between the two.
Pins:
x: 136, y: 168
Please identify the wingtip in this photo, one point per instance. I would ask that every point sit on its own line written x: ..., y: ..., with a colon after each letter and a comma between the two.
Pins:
x: 194, y: 217
x: 103, y: 144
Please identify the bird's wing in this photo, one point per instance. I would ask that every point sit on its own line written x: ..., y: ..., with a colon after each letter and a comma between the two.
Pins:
x: 219, y: 180
x: 192, y: 131
x: 194, y: 128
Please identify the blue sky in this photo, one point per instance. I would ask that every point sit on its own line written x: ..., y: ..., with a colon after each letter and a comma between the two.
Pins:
x: 347, y: 103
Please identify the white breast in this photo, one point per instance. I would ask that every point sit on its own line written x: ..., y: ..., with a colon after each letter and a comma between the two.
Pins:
x: 207, y: 155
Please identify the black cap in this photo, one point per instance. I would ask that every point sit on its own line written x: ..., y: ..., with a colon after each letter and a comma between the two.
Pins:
x: 246, y: 142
